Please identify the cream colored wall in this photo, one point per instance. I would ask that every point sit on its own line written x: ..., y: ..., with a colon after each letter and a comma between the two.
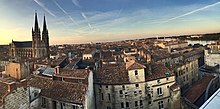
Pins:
x: 139, y: 78
x: 117, y: 98
x: 89, y: 101
x: 176, y: 99
x: 152, y: 87
x: 129, y: 96
x: 192, y: 73
x: 99, y: 89
x: 87, y: 56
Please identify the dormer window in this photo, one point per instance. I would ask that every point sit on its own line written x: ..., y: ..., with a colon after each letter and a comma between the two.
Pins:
x: 136, y: 73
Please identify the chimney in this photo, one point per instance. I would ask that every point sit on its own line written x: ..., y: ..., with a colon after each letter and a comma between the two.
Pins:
x: 87, y: 69
x: 57, y: 70
x: 11, y: 86
x: 149, y: 58
x: 101, y: 63
x: 149, y: 70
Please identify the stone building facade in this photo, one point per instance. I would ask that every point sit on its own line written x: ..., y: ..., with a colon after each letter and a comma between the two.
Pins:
x: 133, y: 86
x: 187, y: 73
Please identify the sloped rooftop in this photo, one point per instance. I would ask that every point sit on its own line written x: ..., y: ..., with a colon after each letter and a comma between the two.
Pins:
x: 112, y: 74
x: 134, y: 65
x: 58, y: 90
x: 23, y: 44
x: 194, y: 92
x: 159, y: 71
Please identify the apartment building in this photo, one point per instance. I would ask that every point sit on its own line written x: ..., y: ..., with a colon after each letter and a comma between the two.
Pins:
x: 187, y: 73
x: 132, y: 85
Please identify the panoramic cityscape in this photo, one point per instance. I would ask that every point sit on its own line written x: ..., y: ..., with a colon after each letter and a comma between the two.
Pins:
x: 110, y: 54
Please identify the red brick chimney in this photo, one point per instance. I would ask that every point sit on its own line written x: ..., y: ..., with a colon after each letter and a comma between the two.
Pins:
x: 11, y: 86
x: 57, y: 70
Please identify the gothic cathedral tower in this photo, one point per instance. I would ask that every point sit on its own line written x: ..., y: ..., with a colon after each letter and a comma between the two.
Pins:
x: 40, y: 47
x: 36, y: 39
x: 45, y: 38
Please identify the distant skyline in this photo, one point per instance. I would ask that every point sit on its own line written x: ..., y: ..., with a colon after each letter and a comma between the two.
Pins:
x: 83, y: 21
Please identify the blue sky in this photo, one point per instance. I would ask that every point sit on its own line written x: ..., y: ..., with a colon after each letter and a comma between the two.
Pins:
x: 81, y: 21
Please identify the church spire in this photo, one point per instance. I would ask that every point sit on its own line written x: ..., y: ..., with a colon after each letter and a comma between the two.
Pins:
x: 45, y: 38
x: 36, y: 22
x: 45, y: 24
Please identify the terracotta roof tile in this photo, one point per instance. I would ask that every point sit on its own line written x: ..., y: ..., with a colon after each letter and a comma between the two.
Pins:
x: 112, y: 74
x: 159, y: 71
x: 58, y: 90
x: 3, y: 89
x: 131, y: 65
x: 75, y: 73
x: 194, y: 92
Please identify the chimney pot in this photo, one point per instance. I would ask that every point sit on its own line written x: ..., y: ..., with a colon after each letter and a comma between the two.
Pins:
x: 57, y: 70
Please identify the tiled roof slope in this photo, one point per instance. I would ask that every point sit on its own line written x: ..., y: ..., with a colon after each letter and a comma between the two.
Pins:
x: 132, y: 65
x: 3, y: 91
x: 194, y: 92
x: 58, y: 90
x: 112, y: 74
x: 75, y: 73
x: 158, y: 71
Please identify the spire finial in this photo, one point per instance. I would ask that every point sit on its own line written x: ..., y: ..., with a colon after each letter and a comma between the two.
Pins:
x: 45, y: 24
x: 36, y: 21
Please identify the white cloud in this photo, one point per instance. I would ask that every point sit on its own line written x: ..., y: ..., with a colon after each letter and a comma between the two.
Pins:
x: 44, y: 7
x: 194, y: 11
x: 76, y: 3
x: 85, y: 17
x: 65, y: 13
